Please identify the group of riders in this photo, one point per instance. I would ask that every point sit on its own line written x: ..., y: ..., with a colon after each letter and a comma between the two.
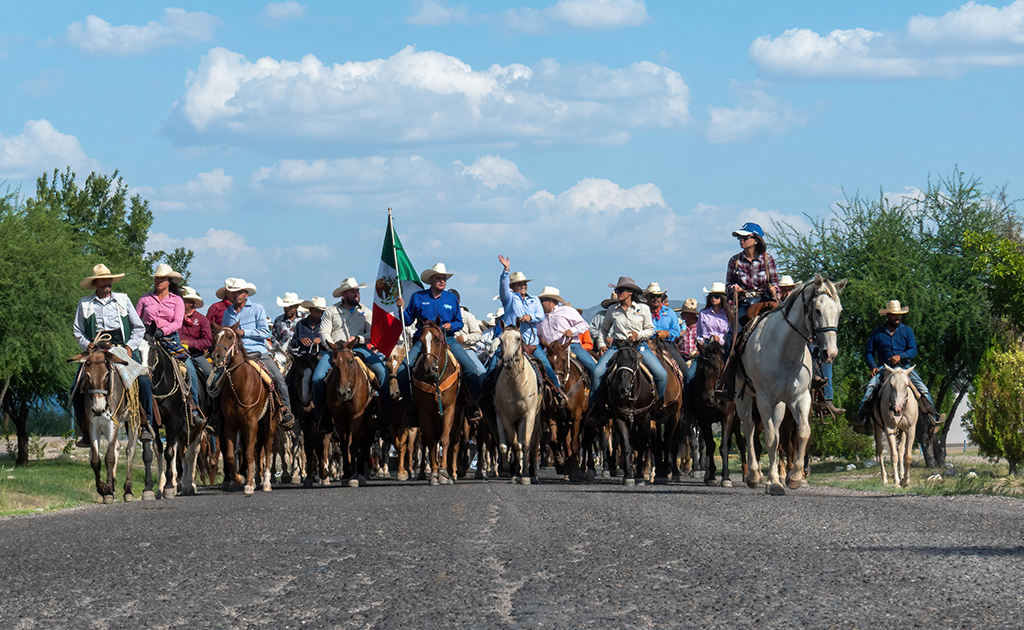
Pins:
x: 630, y: 316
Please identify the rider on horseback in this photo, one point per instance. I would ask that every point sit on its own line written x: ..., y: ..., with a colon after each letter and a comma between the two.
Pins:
x: 665, y: 320
x: 563, y: 321
x: 751, y: 273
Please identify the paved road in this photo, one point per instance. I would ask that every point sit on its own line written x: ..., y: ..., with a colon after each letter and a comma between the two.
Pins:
x: 494, y: 555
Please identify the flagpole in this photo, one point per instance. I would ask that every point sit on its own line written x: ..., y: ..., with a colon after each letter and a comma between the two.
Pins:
x: 401, y: 309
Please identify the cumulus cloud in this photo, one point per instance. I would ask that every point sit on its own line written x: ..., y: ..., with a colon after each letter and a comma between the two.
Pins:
x: 422, y: 98
x: 758, y: 115
x: 39, y: 148
x: 599, y: 14
x: 578, y: 14
x: 208, y: 192
x: 434, y: 13
x: 972, y: 35
x: 281, y: 11
x: 177, y: 27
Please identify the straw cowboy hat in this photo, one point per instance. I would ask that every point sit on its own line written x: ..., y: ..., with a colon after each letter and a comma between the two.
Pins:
x: 164, y: 270
x: 347, y: 284
x: 99, y: 272
x: 755, y: 230
x: 614, y: 299
x: 190, y: 294
x: 315, y: 302
x: 551, y: 293
x: 894, y: 307
x: 716, y: 287
x: 689, y: 306
x: 236, y: 284
x: 518, y: 276
x: 289, y: 299
x: 625, y: 282
x: 437, y: 270
x: 654, y: 289
x: 786, y: 281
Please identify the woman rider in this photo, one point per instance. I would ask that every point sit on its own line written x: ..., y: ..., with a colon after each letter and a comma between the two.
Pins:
x: 752, y: 272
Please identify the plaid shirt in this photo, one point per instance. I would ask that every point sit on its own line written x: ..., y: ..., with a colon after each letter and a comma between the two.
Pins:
x: 751, y: 275
x: 688, y: 342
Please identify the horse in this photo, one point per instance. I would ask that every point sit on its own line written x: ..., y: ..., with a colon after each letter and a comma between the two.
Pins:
x: 315, y: 445
x: 517, y: 402
x: 894, y: 414
x: 567, y: 427
x: 707, y: 409
x: 405, y: 438
x: 664, y: 429
x: 351, y: 404
x: 171, y: 392
x: 631, y: 398
x: 775, y: 373
x: 248, y: 408
x: 288, y: 445
x: 436, y: 377
x: 112, y: 405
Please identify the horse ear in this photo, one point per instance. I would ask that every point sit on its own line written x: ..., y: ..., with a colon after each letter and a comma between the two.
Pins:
x: 910, y: 369
x: 113, y: 358
x: 79, y: 358
x: 348, y: 345
x: 818, y: 279
x: 331, y: 345
x: 216, y: 328
x: 841, y: 285
x: 700, y: 347
x: 236, y: 327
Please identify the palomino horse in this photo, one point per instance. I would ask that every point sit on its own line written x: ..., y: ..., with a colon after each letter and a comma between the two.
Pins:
x: 775, y: 373
x: 248, y: 408
x: 112, y: 405
x: 567, y: 427
x: 631, y: 401
x: 517, y: 401
x: 436, y: 377
x: 350, y: 402
x: 171, y: 392
x: 894, y: 415
x: 708, y: 409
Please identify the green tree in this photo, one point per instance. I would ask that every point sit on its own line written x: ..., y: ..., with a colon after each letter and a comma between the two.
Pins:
x: 912, y: 249
x: 996, y: 420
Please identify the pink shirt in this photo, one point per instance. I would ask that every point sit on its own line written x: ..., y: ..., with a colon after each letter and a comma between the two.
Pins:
x: 563, y: 318
x: 167, y: 314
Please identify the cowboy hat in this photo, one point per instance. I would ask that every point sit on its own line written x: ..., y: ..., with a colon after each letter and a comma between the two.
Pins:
x: 614, y: 299
x: 437, y: 270
x: 654, y: 289
x: 163, y: 270
x: 551, y: 293
x: 716, y: 287
x: 315, y: 302
x: 894, y: 307
x: 99, y: 272
x: 689, y: 306
x: 625, y: 282
x: 235, y: 284
x: 347, y: 284
x: 786, y: 281
x: 289, y: 299
x: 190, y: 294
x: 518, y: 276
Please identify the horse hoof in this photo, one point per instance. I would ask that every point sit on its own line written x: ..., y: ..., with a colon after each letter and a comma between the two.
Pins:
x: 677, y: 478
x: 661, y: 481
x: 434, y: 482
x: 352, y: 483
x: 525, y: 481
x: 710, y: 482
x: 170, y: 493
x: 629, y: 483
x: 590, y: 476
x: 446, y: 481
x: 605, y: 474
x: 249, y: 490
x: 188, y: 491
x: 726, y: 483
x: 307, y: 484
x: 266, y: 487
x: 795, y: 484
x: 775, y: 489
x: 402, y: 477
x: 751, y: 482
x: 108, y: 499
x: 286, y: 479
x: 128, y: 497
x: 148, y: 495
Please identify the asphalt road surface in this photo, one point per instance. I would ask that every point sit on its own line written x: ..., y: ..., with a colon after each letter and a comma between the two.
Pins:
x: 495, y: 555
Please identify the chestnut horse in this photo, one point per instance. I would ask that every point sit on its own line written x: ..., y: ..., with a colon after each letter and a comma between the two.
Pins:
x: 567, y: 427
x: 664, y: 430
x: 404, y: 437
x: 350, y: 402
x: 436, y: 377
x: 248, y: 408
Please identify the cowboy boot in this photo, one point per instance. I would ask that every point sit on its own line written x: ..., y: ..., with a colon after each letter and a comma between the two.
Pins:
x: 146, y: 429
x: 287, y: 421
x: 930, y: 411
x: 828, y: 407
x: 325, y: 423
x: 724, y: 387
x: 860, y: 425
x: 558, y: 399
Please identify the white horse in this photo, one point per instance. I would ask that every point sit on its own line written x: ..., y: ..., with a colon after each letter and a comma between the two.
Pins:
x: 775, y: 373
x: 895, y: 420
x: 517, y: 402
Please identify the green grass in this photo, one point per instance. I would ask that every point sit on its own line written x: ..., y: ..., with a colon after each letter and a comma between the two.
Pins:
x: 990, y: 479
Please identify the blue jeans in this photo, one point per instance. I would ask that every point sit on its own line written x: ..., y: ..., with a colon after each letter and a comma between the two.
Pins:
x: 915, y: 378
x: 689, y: 370
x: 472, y: 370
x: 826, y: 373
x: 588, y: 361
x: 323, y: 366
x: 650, y: 360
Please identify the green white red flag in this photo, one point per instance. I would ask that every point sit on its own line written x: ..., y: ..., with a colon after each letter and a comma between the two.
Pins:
x: 395, y: 277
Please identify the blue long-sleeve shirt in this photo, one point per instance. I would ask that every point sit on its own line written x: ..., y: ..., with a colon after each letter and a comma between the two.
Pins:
x: 424, y: 306
x: 667, y: 320
x: 516, y: 306
x: 253, y: 320
x: 881, y: 345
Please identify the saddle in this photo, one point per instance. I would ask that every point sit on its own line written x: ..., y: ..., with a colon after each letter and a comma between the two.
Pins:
x: 263, y: 372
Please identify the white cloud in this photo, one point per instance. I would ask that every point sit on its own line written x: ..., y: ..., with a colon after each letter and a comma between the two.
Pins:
x: 758, y: 114
x: 493, y: 171
x: 208, y: 192
x: 281, y: 11
x: 580, y: 14
x: 177, y: 27
x: 599, y: 14
x: 421, y: 98
x: 972, y: 35
x: 433, y: 13
x: 40, y: 148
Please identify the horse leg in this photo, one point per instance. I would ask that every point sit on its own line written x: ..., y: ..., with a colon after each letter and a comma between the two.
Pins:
x: 771, y: 443
x: 801, y: 413
x: 353, y: 449
x: 530, y: 443
x: 890, y: 436
x: 753, y: 474
x: 188, y: 464
x: 503, y: 452
x: 708, y: 438
x: 622, y: 434
x: 249, y: 457
x: 147, y: 461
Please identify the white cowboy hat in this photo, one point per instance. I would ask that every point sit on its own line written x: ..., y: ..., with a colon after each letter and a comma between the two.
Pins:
x: 689, y: 306
x: 716, y: 287
x: 98, y: 272
x: 894, y: 307
x: 654, y: 289
x: 190, y: 294
x: 347, y: 284
x: 316, y: 302
x: 437, y: 270
x: 163, y: 270
x: 551, y: 293
x: 235, y: 284
x: 786, y: 281
x: 289, y: 299
x: 518, y: 276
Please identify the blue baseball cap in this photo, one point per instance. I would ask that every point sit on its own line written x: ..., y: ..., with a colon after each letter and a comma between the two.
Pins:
x: 749, y: 229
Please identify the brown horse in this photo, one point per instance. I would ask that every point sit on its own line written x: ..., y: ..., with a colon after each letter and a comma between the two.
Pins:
x: 631, y: 398
x: 248, y: 408
x: 707, y: 409
x: 404, y: 437
x: 351, y: 404
x: 436, y: 377
x: 665, y: 427
x: 567, y: 427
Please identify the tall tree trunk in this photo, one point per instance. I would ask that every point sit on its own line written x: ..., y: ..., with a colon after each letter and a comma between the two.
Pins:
x: 928, y: 443
x: 940, y: 446
x: 1013, y: 465
x: 3, y: 395
x: 18, y: 411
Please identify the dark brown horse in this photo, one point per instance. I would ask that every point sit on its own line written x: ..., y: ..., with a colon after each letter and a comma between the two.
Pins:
x: 631, y: 401
x: 248, y: 408
x: 707, y: 409
x: 316, y: 445
x: 350, y: 402
x: 436, y: 377
x: 566, y: 426
x: 666, y: 425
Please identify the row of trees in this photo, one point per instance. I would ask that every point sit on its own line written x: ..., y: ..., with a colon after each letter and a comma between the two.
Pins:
x: 923, y: 250
x: 47, y: 244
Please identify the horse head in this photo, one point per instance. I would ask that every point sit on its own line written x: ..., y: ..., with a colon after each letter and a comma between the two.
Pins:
x: 435, y: 348
x: 819, y: 300
x: 624, y: 370
x: 343, y: 360
x: 710, y: 363
x: 227, y: 350
x: 511, y: 344
x: 96, y: 376
x: 897, y: 392
x: 558, y: 355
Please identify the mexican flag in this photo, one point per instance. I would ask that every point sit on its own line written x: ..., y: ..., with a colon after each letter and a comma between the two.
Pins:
x: 395, y: 277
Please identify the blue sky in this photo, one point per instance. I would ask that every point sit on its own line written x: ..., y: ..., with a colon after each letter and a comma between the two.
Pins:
x: 585, y: 139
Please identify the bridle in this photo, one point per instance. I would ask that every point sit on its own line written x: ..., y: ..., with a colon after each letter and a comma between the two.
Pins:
x: 807, y: 303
